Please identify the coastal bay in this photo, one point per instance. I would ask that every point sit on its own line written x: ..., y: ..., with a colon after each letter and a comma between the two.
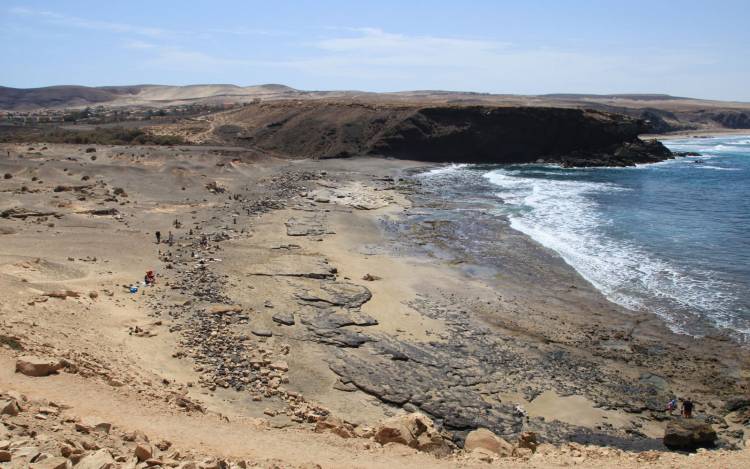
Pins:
x: 339, y: 287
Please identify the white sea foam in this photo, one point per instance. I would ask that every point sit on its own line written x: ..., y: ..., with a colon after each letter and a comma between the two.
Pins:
x: 563, y: 216
x: 718, y: 168
x: 443, y: 170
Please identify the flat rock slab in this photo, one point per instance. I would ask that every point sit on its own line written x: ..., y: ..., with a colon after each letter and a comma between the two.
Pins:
x: 285, y: 319
x: 341, y: 294
x: 342, y: 337
x: 296, y: 265
x: 308, y: 226
x: 337, y: 319
x: 262, y: 332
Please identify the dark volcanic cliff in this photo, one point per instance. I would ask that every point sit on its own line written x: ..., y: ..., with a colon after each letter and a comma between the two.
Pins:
x: 476, y: 134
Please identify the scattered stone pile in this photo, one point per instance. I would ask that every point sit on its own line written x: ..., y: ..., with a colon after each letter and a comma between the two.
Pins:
x: 44, y: 435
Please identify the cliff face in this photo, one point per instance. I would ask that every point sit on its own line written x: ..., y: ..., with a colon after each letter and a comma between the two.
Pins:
x: 476, y: 134
x: 519, y: 135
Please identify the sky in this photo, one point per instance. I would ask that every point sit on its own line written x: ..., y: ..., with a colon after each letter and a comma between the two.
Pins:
x: 684, y: 48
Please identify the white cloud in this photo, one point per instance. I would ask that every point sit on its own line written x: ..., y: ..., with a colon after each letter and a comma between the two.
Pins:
x: 82, y: 23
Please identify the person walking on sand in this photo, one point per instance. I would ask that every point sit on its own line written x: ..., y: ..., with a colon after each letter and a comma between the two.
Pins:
x: 687, y: 408
x: 158, y: 237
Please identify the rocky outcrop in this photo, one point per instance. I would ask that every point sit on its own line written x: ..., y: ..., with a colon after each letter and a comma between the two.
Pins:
x: 414, y: 430
x: 689, y: 434
x: 520, y: 135
x: 470, y: 134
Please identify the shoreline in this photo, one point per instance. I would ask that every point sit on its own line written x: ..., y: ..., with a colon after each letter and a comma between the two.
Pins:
x: 708, y: 328
x: 698, y: 133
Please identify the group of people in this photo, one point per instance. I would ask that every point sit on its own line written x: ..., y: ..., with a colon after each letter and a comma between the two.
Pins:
x: 687, y: 407
x: 170, y: 238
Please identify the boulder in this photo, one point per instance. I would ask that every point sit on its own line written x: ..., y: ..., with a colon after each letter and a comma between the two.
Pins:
x: 101, y: 459
x: 5, y: 456
x: 37, y: 366
x: 485, y: 439
x: 414, y: 430
x: 262, y: 332
x: 689, y: 434
x: 9, y: 406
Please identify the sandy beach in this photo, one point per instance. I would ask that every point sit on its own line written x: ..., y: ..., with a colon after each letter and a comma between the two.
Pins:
x: 301, y: 291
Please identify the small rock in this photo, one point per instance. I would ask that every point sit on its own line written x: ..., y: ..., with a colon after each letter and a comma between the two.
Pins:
x: 528, y: 440
x: 101, y: 459
x: 89, y: 425
x: 164, y: 445
x: 262, y: 332
x: 281, y: 366
x: 143, y: 452
x: 221, y: 309
x: 55, y: 462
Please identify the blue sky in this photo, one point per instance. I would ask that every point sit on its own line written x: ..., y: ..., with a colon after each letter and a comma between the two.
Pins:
x: 686, y: 48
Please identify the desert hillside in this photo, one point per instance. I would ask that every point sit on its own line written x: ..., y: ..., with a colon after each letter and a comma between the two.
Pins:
x: 665, y: 113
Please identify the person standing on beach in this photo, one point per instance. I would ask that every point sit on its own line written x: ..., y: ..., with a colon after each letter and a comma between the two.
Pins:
x: 687, y: 408
x: 672, y: 406
x: 158, y: 237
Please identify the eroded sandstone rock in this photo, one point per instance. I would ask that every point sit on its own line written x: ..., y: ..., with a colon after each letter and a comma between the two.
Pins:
x: 37, y: 366
x: 482, y: 438
x: 414, y: 430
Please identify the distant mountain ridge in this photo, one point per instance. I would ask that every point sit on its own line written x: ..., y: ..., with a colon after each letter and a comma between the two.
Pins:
x: 64, y: 96
x: 157, y: 95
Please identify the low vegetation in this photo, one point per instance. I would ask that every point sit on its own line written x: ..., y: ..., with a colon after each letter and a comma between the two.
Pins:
x: 98, y: 135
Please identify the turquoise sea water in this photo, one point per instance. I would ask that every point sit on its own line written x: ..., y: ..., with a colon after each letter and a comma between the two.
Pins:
x: 671, y: 238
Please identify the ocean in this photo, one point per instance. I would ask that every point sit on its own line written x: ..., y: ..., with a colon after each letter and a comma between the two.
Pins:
x: 671, y: 238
